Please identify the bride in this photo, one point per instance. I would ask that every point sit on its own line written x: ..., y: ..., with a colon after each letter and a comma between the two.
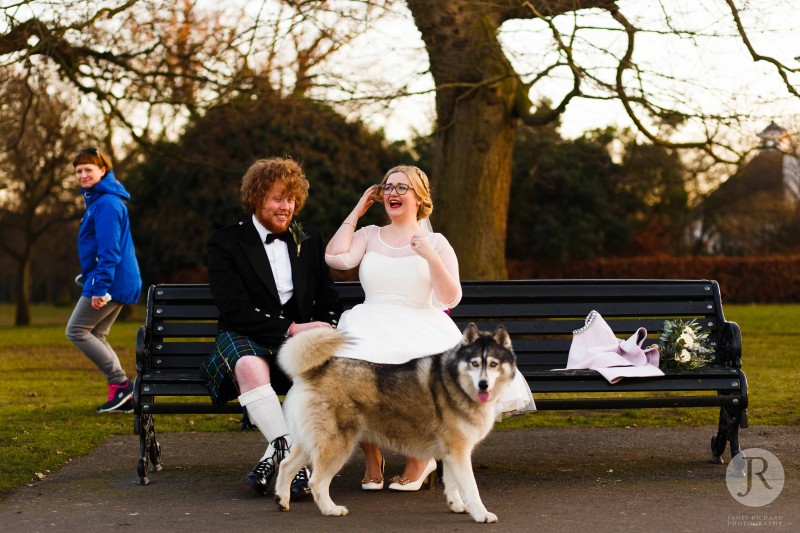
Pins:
x: 409, y: 275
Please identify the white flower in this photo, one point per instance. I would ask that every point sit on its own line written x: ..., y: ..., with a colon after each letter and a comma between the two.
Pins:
x: 688, y: 331
x: 688, y: 340
x: 684, y: 356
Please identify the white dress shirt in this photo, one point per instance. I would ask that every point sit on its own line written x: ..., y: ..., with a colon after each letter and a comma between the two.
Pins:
x: 278, y: 254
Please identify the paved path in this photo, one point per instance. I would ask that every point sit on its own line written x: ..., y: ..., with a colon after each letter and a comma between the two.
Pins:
x: 560, y: 479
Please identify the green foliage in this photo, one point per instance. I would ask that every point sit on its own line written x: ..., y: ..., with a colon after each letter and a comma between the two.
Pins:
x: 562, y: 198
x: 184, y: 191
x: 655, y: 178
x: 570, y: 200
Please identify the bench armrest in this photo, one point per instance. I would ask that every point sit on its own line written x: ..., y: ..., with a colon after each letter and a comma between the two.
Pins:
x: 730, y: 344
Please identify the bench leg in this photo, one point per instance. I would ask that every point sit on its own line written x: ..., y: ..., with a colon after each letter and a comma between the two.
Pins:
x: 149, y: 449
x: 728, y: 432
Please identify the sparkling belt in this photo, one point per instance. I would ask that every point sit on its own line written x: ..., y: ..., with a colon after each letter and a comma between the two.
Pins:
x: 398, y: 301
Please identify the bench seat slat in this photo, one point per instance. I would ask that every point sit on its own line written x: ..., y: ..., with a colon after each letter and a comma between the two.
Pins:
x: 581, y: 309
x: 186, y: 329
x: 163, y: 310
x: 182, y: 348
x: 173, y: 388
x: 548, y: 290
x: 493, y: 290
x: 622, y: 327
x: 177, y: 408
x: 566, y: 384
x: 173, y: 363
x: 548, y: 404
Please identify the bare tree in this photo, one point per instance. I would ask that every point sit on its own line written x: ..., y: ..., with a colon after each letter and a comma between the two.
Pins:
x: 481, y: 98
x: 148, y: 64
x: 37, y: 189
x: 171, y: 59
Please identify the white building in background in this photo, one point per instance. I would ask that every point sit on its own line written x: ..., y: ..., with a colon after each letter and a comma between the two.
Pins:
x: 752, y: 210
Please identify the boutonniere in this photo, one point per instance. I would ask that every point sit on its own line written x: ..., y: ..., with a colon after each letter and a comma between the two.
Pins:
x: 298, y: 235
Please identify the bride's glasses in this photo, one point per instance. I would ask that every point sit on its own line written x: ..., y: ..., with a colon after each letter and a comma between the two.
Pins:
x: 400, y: 188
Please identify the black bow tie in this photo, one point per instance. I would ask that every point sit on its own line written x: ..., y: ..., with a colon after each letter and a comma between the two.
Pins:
x: 283, y: 236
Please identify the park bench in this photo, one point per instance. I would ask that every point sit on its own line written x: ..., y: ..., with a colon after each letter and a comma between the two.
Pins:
x: 540, y: 315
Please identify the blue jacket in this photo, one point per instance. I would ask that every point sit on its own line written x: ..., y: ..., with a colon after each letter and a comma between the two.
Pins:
x: 105, y: 245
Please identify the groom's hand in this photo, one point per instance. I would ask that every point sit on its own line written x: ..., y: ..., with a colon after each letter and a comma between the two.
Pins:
x: 296, y: 328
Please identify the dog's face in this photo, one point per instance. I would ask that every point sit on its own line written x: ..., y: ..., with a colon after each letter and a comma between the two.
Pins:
x: 486, y: 363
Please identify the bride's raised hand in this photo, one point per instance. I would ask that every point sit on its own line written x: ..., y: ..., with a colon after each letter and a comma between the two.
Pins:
x: 422, y: 246
x: 366, y: 200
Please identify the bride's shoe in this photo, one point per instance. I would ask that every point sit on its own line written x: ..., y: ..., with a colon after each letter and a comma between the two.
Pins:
x: 404, y: 484
x: 374, y: 483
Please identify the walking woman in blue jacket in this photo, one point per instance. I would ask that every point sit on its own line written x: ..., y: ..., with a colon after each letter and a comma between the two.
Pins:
x: 109, y: 272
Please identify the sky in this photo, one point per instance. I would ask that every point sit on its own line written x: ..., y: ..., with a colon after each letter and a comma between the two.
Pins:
x: 720, y: 75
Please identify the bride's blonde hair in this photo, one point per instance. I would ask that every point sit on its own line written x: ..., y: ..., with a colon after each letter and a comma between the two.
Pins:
x: 419, y: 182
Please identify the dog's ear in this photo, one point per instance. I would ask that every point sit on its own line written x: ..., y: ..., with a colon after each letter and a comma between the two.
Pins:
x: 502, y: 338
x: 471, y: 334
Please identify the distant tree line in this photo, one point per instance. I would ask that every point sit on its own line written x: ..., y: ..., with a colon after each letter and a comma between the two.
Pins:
x: 602, y: 194
x: 185, y: 190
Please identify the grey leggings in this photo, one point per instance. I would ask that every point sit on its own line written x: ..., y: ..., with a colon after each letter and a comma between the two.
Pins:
x: 87, y: 329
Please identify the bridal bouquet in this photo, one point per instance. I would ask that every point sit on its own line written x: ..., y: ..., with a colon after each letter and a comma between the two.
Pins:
x: 685, y: 345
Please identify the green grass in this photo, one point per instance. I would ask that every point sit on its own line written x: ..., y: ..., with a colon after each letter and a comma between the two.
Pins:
x: 50, y: 391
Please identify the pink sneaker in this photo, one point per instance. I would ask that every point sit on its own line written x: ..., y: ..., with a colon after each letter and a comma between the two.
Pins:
x: 120, y: 398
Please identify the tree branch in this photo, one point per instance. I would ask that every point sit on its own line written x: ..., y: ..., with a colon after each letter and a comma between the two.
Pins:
x: 624, y: 64
x: 523, y: 108
x: 780, y: 67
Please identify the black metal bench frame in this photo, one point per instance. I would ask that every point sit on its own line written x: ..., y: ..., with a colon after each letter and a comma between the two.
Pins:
x: 540, y: 315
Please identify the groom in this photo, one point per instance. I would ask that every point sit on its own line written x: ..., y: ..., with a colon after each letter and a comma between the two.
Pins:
x: 269, y: 280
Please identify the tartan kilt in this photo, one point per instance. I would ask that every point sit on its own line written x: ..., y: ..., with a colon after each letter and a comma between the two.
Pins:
x: 217, y: 370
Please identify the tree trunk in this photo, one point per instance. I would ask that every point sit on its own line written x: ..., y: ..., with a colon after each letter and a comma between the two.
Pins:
x: 475, y: 104
x: 23, y: 317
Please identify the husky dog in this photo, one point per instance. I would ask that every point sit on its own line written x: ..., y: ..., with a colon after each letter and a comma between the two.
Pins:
x: 437, y: 406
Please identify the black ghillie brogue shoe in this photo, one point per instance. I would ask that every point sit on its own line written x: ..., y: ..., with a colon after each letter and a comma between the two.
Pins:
x: 261, y: 475
x: 300, y: 483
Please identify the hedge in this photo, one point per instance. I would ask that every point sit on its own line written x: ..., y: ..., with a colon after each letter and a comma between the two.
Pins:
x: 769, y: 279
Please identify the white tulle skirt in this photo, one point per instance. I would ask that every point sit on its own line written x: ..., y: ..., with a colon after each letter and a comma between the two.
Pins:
x: 396, y: 332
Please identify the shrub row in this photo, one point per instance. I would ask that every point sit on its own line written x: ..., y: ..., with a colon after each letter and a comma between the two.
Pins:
x: 769, y: 279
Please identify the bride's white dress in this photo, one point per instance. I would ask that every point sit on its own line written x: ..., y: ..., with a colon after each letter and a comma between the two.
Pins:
x: 400, y: 319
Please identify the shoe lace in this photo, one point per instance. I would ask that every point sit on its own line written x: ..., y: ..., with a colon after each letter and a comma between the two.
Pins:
x: 264, y: 467
x: 113, y: 388
x: 268, y: 465
x: 302, y: 475
x: 281, y: 449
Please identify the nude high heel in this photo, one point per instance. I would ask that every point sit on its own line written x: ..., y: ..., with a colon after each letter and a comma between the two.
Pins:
x: 406, y: 485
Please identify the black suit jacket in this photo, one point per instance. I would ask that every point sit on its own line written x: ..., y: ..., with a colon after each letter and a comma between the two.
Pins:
x: 244, y: 288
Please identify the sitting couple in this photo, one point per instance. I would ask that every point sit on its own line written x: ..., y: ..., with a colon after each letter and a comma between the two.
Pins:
x: 270, y: 280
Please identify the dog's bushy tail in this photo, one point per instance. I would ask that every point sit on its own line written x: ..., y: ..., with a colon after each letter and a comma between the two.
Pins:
x: 309, y: 350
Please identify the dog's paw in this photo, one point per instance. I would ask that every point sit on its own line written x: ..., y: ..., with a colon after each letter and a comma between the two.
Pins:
x: 457, y: 506
x: 487, y: 517
x: 336, y: 510
x: 283, y: 503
